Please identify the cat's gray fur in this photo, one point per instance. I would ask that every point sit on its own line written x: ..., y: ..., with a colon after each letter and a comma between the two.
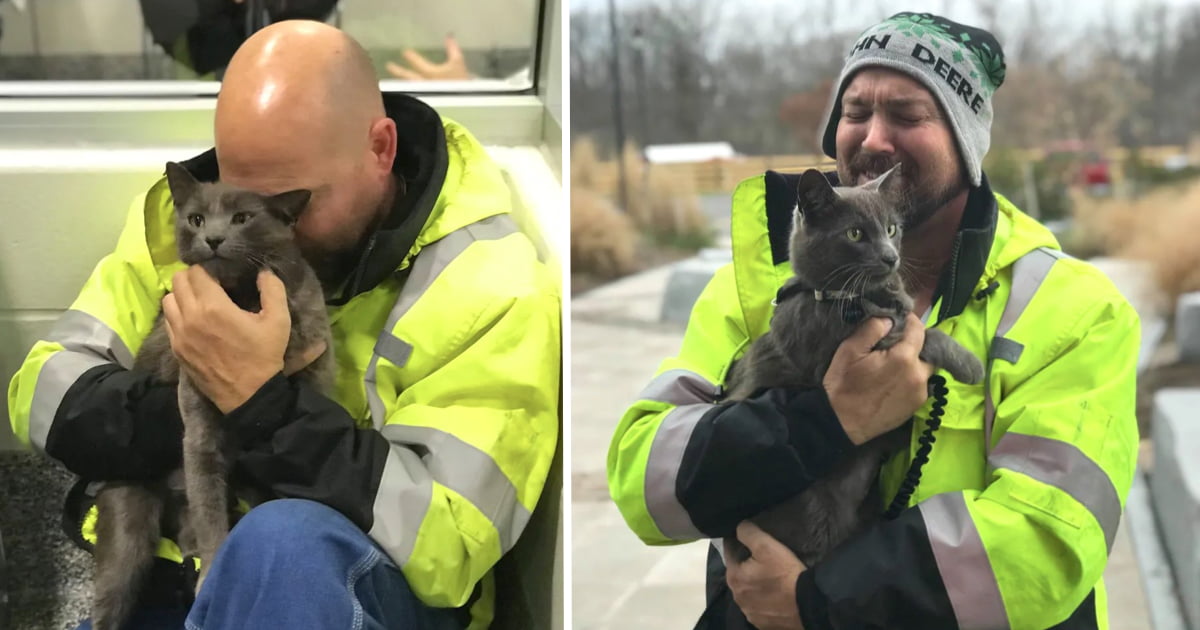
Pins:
x: 805, y: 333
x: 240, y: 232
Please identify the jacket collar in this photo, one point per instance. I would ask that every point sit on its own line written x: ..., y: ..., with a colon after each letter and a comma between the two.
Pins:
x: 969, y: 255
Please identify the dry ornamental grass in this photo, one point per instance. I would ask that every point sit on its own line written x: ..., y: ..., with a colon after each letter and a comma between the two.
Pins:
x: 663, y: 216
x: 1162, y: 228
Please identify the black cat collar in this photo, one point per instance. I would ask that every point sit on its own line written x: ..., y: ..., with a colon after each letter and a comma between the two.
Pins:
x: 849, y: 304
x: 792, y: 290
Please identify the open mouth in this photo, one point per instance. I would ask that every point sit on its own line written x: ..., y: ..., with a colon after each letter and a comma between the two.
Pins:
x: 863, y: 178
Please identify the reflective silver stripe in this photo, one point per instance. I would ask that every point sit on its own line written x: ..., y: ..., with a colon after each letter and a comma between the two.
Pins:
x: 406, y: 487
x: 57, y: 375
x: 428, y: 264
x: 1063, y: 466
x: 468, y: 471
x: 87, y: 342
x: 963, y: 562
x: 78, y: 331
x: 401, y: 503
x: 662, y: 469
x: 1007, y: 349
x: 1028, y: 273
x: 719, y: 545
x: 679, y: 387
x: 393, y: 348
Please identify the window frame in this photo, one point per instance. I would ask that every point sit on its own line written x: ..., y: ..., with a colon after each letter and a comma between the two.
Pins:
x: 168, y: 88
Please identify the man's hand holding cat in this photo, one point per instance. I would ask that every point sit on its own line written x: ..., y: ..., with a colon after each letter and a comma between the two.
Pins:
x: 227, y: 352
x: 764, y: 586
x: 875, y: 391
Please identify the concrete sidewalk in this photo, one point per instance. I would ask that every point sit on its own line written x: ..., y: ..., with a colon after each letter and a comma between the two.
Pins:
x: 621, y: 584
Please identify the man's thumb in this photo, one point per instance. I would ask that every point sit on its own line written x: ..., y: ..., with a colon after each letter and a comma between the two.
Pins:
x: 750, y: 535
x: 272, y: 295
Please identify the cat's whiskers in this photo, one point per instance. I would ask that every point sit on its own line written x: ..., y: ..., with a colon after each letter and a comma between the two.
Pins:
x: 851, y: 267
x: 258, y: 258
x: 850, y: 281
x: 858, y: 276
x: 864, y: 279
x: 906, y: 272
x: 917, y: 266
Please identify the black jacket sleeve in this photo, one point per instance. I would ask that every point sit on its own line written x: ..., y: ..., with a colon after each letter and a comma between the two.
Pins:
x: 746, y: 456
x: 117, y: 424
x: 294, y: 442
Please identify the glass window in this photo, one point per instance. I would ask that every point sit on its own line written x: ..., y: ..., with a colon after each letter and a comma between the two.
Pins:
x: 417, y: 46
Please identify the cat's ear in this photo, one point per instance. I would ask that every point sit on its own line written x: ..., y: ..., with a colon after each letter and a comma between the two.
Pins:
x: 814, y: 194
x: 181, y: 183
x: 288, y: 206
x: 888, y: 183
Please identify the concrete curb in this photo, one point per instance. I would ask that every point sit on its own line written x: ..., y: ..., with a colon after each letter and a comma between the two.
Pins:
x: 1158, y: 582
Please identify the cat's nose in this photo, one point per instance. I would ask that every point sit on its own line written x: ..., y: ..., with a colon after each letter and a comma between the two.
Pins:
x: 214, y: 243
x: 890, y: 259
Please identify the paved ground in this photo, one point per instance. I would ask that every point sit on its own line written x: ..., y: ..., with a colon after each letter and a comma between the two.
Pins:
x: 618, y: 583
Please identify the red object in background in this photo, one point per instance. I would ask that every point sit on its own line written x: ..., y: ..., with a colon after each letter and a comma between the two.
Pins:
x: 1095, y: 173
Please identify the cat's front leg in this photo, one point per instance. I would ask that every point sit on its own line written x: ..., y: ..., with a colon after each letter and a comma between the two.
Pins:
x: 204, y: 473
x: 943, y: 352
x: 899, y: 322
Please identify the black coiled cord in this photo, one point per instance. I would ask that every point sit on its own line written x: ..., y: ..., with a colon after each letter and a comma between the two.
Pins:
x: 937, y: 387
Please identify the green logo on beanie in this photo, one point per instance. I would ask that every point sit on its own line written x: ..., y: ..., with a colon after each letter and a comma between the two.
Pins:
x: 985, y: 53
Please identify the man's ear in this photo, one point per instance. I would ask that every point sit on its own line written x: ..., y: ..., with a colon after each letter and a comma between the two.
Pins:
x: 288, y: 206
x: 181, y: 183
x: 814, y: 195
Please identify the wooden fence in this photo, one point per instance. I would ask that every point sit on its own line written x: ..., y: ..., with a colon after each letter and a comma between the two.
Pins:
x: 721, y: 176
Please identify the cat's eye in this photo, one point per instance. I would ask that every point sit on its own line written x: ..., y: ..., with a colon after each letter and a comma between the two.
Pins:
x: 854, y: 234
x: 240, y: 218
x: 196, y: 220
x: 891, y: 230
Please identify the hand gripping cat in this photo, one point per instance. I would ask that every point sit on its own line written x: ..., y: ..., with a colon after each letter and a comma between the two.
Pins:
x: 845, y: 252
x: 233, y: 234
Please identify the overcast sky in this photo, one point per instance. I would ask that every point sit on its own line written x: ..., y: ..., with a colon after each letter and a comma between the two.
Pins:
x: 855, y: 15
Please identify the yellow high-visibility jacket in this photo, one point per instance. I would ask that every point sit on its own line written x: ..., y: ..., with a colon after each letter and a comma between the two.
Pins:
x: 440, y: 433
x: 1017, y: 508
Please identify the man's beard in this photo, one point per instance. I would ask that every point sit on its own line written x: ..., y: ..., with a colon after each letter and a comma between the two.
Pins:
x: 333, y: 266
x: 919, y: 198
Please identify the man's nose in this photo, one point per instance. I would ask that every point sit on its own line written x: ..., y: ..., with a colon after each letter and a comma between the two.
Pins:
x: 879, y: 136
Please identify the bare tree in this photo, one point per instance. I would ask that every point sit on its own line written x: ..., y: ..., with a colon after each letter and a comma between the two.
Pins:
x: 758, y: 76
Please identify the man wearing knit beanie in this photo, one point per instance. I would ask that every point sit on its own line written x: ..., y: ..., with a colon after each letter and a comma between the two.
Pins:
x: 952, y: 70
x: 1012, y: 512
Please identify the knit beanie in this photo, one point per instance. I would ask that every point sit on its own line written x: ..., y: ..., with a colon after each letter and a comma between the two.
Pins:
x: 961, y: 66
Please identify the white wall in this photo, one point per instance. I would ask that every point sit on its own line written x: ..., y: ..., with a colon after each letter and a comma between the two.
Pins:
x: 72, y: 27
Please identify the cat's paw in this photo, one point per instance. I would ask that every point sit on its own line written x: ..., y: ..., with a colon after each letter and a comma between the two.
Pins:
x: 968, y: 370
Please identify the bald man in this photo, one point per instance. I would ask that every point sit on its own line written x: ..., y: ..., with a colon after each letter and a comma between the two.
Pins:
x: 401, y: 490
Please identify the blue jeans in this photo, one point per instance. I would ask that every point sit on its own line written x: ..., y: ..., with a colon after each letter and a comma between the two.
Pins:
x: 292, y: 563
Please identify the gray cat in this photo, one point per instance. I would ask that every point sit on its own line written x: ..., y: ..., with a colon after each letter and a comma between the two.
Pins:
x: 845, y: 252
x: 232, y: 234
